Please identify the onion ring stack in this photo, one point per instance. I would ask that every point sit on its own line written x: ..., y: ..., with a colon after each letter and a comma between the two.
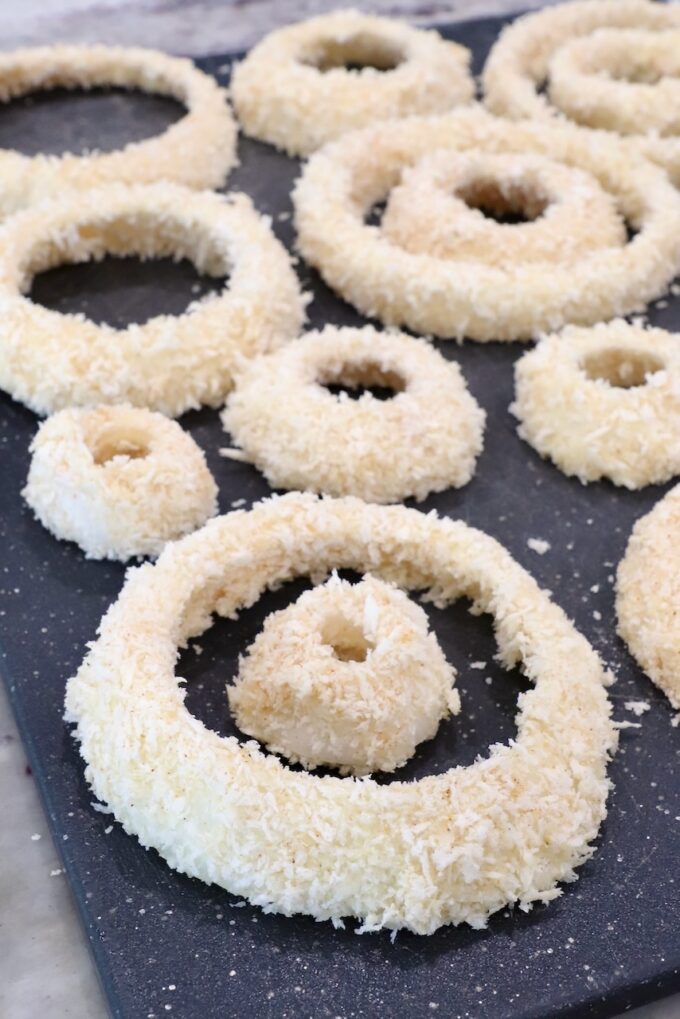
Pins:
x: 608, y: 65
x: 447, y: 297
x: 450, y: 848
x: 294, y: 90
x: 425, y: 438
x: 349, y: 677
x: 604, y: 403
x: 648, y: 594
x: 119, y: 481
x: 197, y: 151
x: 171, y: 364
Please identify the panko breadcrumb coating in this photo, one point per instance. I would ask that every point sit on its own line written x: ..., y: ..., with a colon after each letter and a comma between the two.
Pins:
x: 349, y: 676
x: 603, y: 402
x: 198, y: 150
x: 607, y: 64
x: 448, y: 849
x: 295, y: 90
x: 452, y: 298
x: 648, y: 594
x: 119, y: 481
x: 169, y: 363
x: 424, y: 439
x: 439, y: 209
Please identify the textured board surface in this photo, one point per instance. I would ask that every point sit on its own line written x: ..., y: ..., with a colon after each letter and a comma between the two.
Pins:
x: 609, y: 942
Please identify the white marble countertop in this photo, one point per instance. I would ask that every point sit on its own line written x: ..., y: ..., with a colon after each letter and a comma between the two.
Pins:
x: 45, y: 968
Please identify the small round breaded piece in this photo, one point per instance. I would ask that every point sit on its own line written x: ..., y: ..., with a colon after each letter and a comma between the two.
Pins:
x: 198, y: 150
x: 444, y: 204
x: 342, y: 184
x: 349, y: 676
x: 603, y: 402
x: 648, y: 594
x: 449, y: 848
x: 296, y: 90
x: 608, y: 65
x: 169, y: 363
x: 426, y: 438
x: 119, y: 481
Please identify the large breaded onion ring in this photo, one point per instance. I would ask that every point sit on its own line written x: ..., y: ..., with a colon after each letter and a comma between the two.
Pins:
x: 170, y: 363
x: 449, y: 298
x: 604, y: 402
x: 450, y: 848
x: 426, y: 438
x: 585, y: 51
x: 294, y: 91
x: 198, y: 150
x: 119, y: 481
x: 648, y: 594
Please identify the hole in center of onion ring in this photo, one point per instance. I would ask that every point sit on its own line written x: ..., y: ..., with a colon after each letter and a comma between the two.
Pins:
x: 116, y: 442
x: 489, y: 693
x: 356, y: 53
x: 354, y: 380
x: 624, y: 369
x: 76, y: 120
x: 348, y: 641
x: 122, y: 291
x: 506, y: 202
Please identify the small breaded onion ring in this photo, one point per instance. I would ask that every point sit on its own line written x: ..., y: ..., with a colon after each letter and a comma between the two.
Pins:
x: 198, y: 150
x: 170, y: 363
x: 119, y: 481
x: 426, y: 438
x: 603, y: 403
x: 293, y: 89
x: 452, y: 298
x: 648, y: 594
x: 555, y: 41
x: 349, y: 676
x: 450, y: 848
x: 588, y: 81
x: 436, y: 210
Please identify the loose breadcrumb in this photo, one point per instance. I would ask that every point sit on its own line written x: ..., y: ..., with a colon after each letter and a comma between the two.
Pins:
x: 538, y: 545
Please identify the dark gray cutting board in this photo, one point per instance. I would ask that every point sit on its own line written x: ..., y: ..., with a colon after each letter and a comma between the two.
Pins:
x: 610, y: 942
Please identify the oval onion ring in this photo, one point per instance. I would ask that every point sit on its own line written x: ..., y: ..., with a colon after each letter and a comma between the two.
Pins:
x: 293, y: 89
x: 567, y: 47
x: 198, y: 150
x: 603, y: 403
x: 451, y: 298
x: 436, y: 210
x: 348, y: 677
x: 119, y: 481
x: 648, y: 594
x: 49, y: 361
x: 450, y: 848
x: 425, y: 439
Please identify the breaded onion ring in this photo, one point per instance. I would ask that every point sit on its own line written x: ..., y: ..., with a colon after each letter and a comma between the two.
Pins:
x: 424, y: 439
x: 171, y: 364
x: 119, y: 481
x: 603, y: 403
x: 452, y: 298
x: 648, y: 594
x: 450, y: 848
x: 437, y: 210
x: 294, y: 90
x: 585, y: 51
x: 349, y: 677
x: 198, y: 150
